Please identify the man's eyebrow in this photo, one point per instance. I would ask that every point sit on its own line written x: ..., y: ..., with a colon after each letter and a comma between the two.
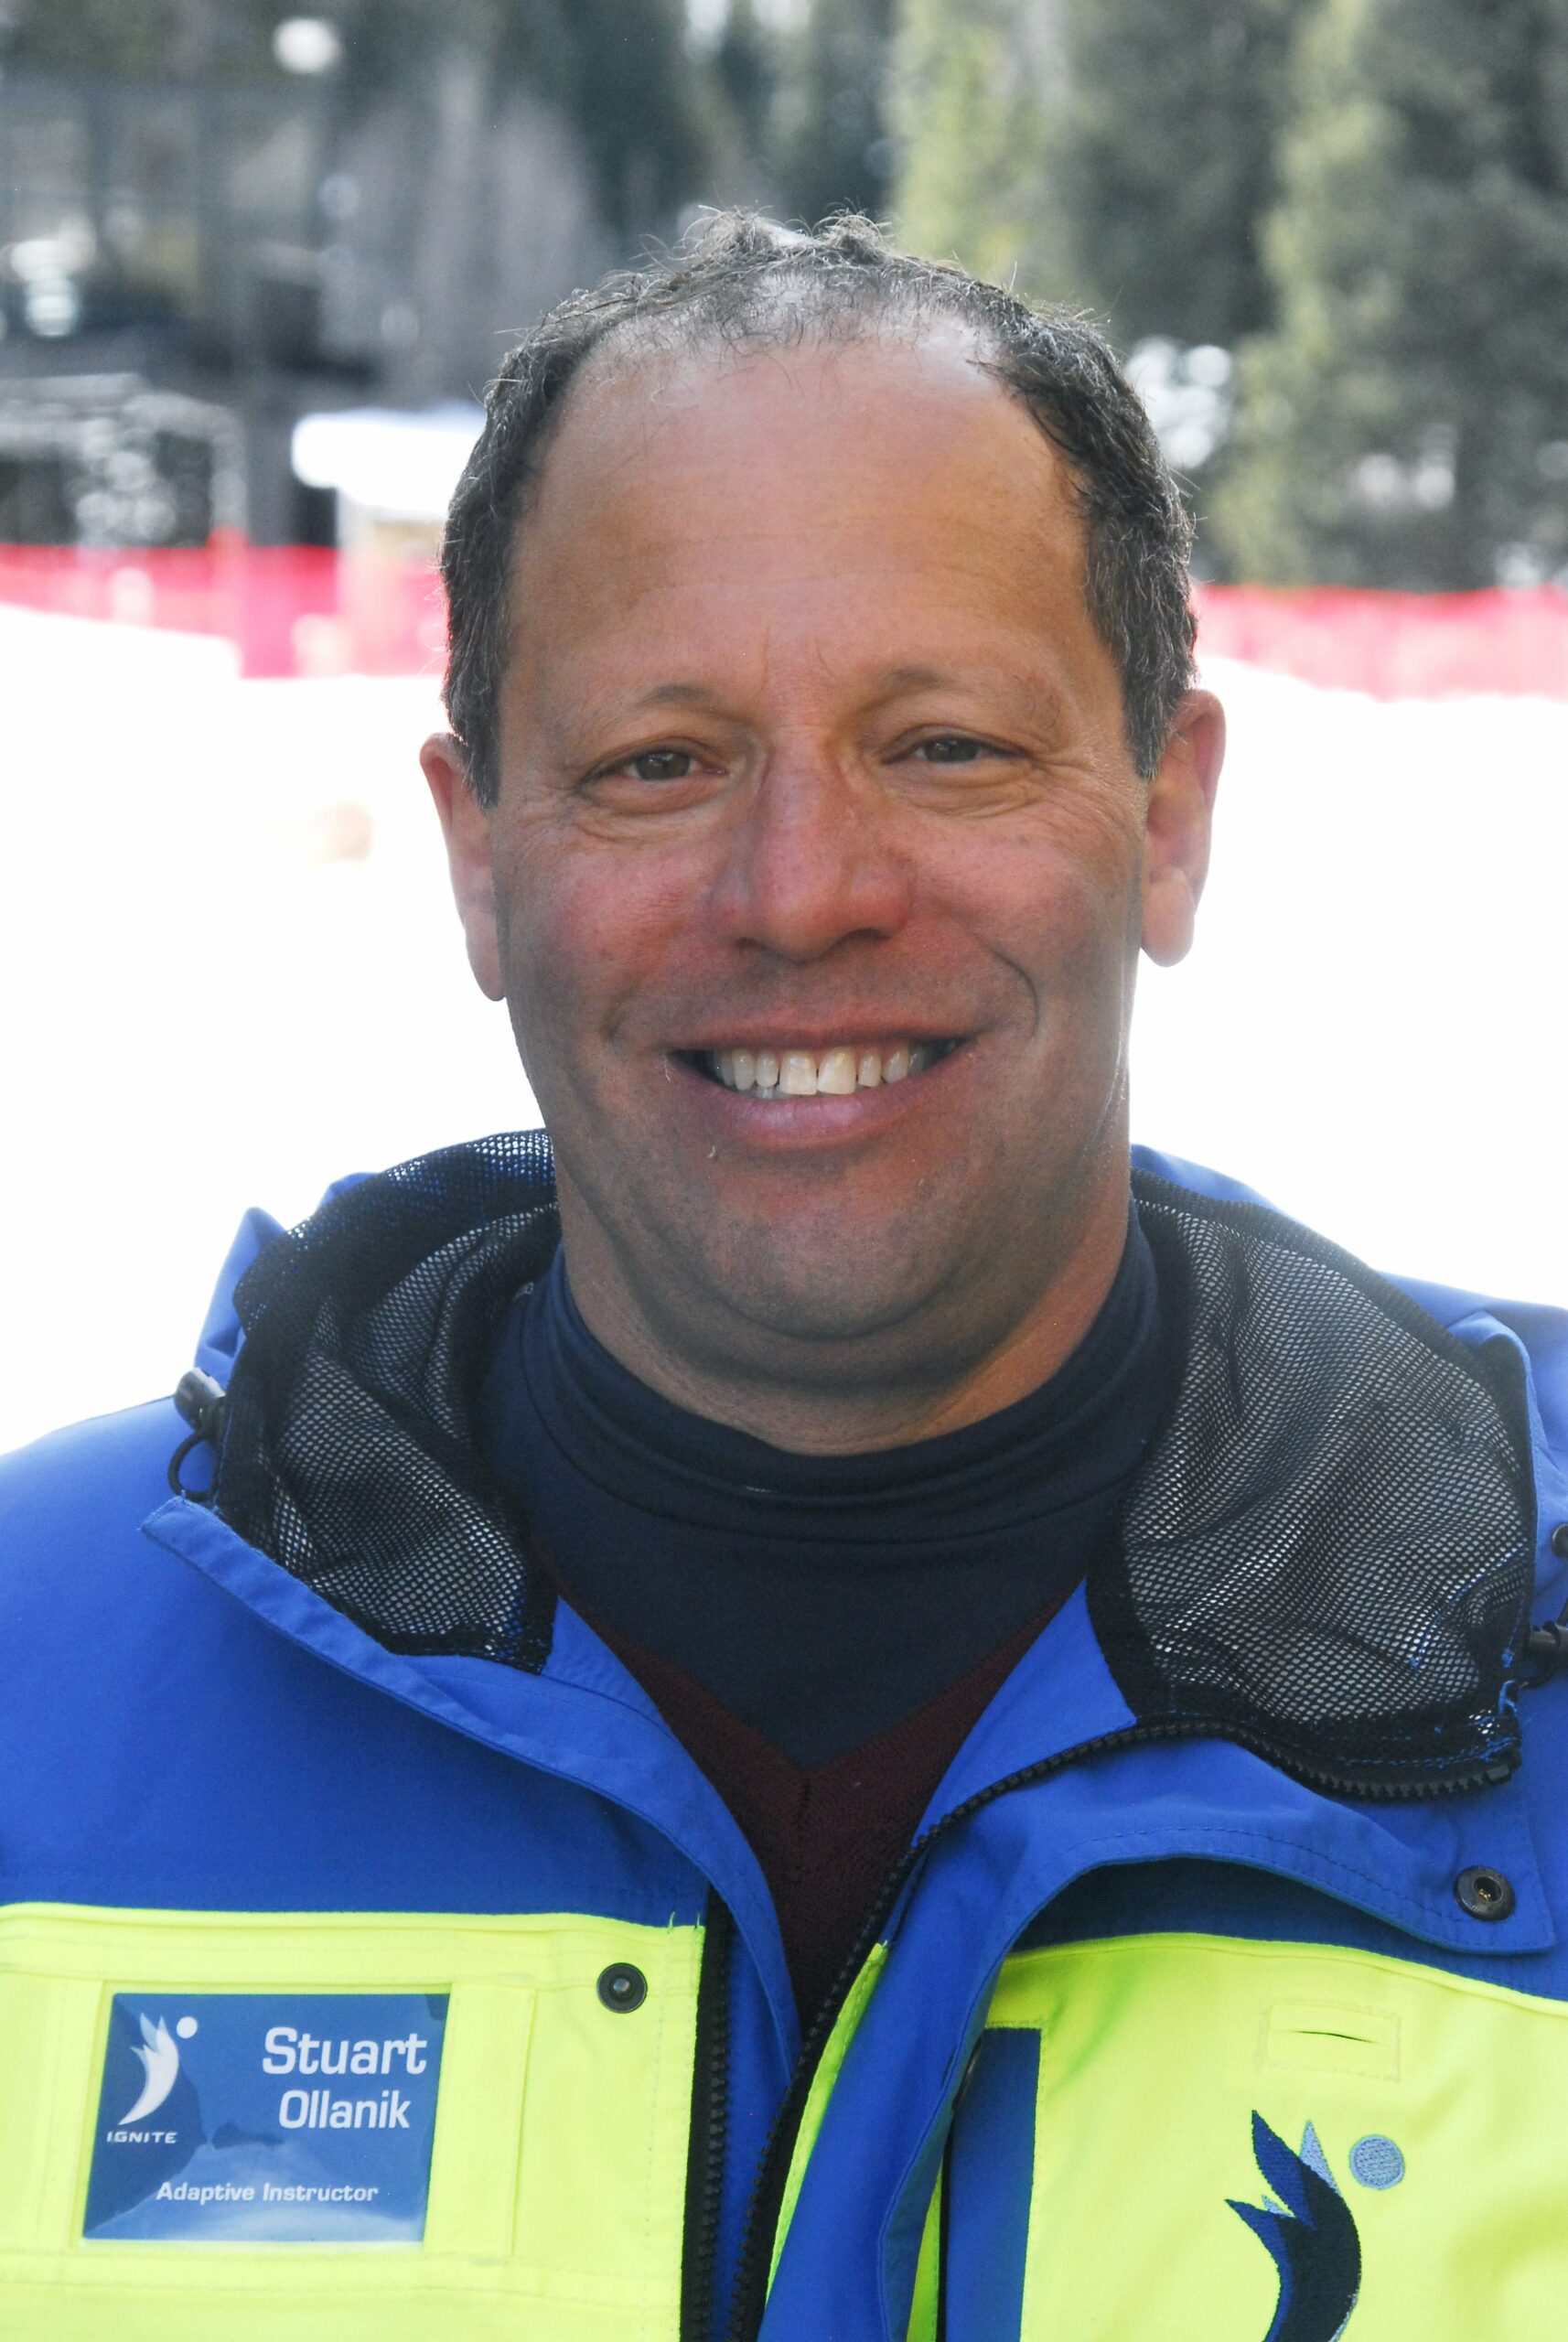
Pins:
x: 608, y: 709
x: 912, y: 679
x: 1043, y: 696
x: 890, y: 682
x: 885, y: 685
x: 677, y: 694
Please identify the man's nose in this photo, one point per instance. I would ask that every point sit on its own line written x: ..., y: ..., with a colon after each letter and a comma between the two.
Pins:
x: 814, y: 860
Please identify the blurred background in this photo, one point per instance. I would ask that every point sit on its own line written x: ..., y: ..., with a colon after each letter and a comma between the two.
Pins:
x: 255, y: 271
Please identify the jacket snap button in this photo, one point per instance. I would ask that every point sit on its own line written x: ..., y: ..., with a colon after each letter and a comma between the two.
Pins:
x: 1560, y: 1540
x: 1485, y: 1893
x: 623, y: 1987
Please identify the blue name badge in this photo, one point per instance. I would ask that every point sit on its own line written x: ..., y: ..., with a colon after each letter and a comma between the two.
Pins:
x: 266, y: 2118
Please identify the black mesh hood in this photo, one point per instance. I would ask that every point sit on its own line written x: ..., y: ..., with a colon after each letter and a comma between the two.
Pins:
x: 1327, y: 1552
x: 347, y: 1451
x: 1333, y: 1533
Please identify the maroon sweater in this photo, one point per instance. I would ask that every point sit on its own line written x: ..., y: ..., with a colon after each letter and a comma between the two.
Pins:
x: 826, y: 1836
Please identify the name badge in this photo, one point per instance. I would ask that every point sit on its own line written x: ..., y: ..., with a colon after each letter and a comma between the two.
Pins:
x: 257, y: 2118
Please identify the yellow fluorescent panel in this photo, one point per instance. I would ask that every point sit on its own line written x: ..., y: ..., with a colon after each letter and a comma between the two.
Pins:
x: 557, y: 2173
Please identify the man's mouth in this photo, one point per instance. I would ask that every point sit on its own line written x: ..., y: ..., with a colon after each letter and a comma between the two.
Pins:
x: 835, y: 1073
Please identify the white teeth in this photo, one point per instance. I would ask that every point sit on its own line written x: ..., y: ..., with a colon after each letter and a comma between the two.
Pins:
x: 837, y: 1072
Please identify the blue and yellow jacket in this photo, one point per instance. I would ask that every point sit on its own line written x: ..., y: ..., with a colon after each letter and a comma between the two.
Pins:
x: 375, y: 1966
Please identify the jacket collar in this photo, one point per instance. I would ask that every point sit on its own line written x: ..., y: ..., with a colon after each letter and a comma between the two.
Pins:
x: 1326, y: 1555
x: 1328, y: 1550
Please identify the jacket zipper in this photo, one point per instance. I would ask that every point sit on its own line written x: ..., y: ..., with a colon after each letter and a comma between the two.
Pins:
x: 767, y: 2192
x: 710, y: 2122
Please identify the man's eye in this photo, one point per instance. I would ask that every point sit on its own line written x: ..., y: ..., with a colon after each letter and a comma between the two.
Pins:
x: 954, y: 748
x: 660, y: 764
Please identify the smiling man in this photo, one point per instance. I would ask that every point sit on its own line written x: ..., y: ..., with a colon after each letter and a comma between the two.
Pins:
x: 920, y: 1724
x: 815, y: 864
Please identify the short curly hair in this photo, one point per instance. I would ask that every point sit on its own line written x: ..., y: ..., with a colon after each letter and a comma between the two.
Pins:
x: 740, y: 281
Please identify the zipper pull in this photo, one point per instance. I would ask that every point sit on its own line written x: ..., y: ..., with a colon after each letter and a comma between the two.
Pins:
x: 200, y: 1399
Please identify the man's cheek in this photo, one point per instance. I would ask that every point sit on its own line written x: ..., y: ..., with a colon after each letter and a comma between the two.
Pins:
x: 544, y: 997
x: 570, y: 995
x: 548, y: 932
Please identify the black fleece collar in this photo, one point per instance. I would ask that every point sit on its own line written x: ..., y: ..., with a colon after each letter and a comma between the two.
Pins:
x: 1327, y: 1552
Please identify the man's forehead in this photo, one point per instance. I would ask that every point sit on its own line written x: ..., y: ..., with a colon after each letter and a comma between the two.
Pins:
x: 929, y: 386
x: 827, y: 510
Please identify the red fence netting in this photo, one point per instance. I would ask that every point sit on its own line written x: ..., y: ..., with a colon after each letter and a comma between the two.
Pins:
x: 288, y: 610
x: 304, y: 610
x: 1395, y: 646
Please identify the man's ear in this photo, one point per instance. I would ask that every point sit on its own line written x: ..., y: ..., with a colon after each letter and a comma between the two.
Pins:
x: 466, y: 826
x: 1177, y: 825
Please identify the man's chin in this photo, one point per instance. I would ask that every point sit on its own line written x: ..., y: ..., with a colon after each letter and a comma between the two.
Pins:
x: 838, y: 1319
x: 816, y: 1282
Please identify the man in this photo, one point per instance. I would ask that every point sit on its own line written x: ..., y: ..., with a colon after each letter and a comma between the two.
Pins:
x: 826, y: 1716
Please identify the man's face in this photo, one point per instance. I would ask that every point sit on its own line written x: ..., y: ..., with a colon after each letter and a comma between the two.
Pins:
x: 811, y: 758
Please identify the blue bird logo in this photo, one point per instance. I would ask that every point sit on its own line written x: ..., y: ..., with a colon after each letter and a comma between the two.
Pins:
x: 1307, y: 2230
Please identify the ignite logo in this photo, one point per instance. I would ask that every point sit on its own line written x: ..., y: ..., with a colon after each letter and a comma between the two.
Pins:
x: 1308, y: 2231
x: 159, y: 2054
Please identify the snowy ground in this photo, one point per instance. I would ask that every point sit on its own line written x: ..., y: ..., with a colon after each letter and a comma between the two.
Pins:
x: 211, y: 1003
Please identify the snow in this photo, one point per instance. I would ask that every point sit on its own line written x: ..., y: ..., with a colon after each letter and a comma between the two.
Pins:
x: 1369, y: 1028
x: 234, y: 973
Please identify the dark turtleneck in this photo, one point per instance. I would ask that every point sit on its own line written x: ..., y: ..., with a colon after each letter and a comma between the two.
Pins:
x: 821, y: 1632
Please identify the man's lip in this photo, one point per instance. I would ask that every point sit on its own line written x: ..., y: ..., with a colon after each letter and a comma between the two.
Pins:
x: 817, y: 1039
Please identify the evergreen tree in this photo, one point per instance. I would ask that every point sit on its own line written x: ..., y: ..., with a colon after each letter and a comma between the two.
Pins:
x: 620, y: 70
x: 1405, y: 421
x: 1118, y: 152
x: 625, y: 77
x: 1161, y: 154
x: 965, y: 103
x: 745, y: 68
x: 739, y: 60
x: 834, y: 148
